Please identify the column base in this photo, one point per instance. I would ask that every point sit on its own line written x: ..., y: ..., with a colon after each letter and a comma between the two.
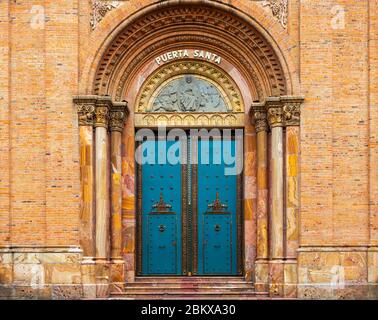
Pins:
x: 102, y: 268
x: 117, y: 274
x: 262, y: 275
x: 290, y: 278
x: 276, y: 278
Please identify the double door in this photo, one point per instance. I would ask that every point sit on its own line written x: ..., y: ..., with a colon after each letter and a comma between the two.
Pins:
x: 189, y: 208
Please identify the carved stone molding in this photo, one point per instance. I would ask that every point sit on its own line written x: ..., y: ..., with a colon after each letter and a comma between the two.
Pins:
x: 118, y: 116
x: 259, y: 117
x: 164, y: 20
x: 100, y: 9
x: 85, y: 109
x: 279, y: 10
x: 292, y: 110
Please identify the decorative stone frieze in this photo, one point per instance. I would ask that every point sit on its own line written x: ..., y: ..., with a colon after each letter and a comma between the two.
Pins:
x: 118, y: 116
x: 259, y: 117
x: 100, y: 9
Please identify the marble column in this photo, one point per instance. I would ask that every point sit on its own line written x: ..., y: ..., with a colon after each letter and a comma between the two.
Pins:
x: 102, y: 195
x: 276, y: 263
x: 259, y: 117
x: 117, y: 120
x: 86, y: 109
x: 291, y: 115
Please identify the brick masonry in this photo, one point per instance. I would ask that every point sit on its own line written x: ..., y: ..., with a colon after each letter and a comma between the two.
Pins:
x: 44, y: 63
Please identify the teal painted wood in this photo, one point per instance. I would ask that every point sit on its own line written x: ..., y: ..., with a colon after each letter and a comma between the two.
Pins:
x: 217, y: 232
x: 161, y: 231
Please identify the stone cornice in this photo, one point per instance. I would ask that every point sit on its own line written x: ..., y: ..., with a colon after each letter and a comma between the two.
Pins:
x: 259, y: 117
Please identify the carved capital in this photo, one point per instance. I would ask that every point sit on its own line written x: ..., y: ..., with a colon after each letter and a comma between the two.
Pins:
x: 275, y: 112
x: 292, y: 110
x: 102, y: 111
x: 85, y: 109
x: 259, y: 117
x: 118, y: 116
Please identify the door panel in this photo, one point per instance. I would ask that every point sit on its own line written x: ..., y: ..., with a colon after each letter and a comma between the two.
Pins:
x: 217, y: 250
x: 161, y: 206
x: 217, y: 243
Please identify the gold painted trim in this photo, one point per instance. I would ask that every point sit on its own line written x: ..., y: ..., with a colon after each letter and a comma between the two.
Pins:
x: 190, y: 120
x: 207, y: 70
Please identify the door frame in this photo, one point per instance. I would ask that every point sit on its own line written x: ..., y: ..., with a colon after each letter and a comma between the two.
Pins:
x: 240, y: 245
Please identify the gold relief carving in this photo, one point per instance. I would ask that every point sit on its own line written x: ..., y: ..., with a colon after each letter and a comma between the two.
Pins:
x: 217, y: 120
x: 230, y: 121
x: 162, y: 120
x: 205, y: 70
x: 203, y: 120
x: 189, y: 120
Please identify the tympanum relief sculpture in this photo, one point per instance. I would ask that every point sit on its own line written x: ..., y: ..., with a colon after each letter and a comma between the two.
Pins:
x: 189, y: 94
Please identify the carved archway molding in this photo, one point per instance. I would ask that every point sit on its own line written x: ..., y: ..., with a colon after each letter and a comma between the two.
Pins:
x: 157, y: 29
x: 234, y: 117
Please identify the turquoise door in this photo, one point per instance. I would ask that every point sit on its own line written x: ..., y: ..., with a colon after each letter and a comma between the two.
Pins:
x: 161, y: 210
x: 189, y: 213
x: 217, y: 203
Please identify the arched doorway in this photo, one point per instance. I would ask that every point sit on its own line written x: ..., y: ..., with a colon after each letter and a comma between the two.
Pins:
x: 216, y: 46
x: 189, y: 210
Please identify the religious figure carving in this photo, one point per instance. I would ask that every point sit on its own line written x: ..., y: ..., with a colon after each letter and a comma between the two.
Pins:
x: 86, y: 114
x: 189, y: 94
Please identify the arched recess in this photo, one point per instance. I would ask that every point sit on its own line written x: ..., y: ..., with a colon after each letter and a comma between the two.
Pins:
x: 210, y: 26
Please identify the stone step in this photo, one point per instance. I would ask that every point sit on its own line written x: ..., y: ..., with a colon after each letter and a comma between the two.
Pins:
x: 184, y: 295
x: 191, y: 279
x: 218, y: 290
x: 191, y: 284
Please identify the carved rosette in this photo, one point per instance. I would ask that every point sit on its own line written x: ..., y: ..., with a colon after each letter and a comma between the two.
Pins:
x: 292, y: 110
x: 259, y: 117
x: 100, y: 9
x: 118, y: 116
x: 274, y: 112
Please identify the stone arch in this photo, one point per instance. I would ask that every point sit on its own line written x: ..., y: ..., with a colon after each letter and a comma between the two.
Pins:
x: 225, y: 30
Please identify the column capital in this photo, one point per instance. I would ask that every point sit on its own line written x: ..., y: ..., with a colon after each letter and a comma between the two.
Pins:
x: 118, y: 116
x: 274, y: 109
x: 85, y: 109
x: 102, y: 111
x: 292, y: 110
x: 259, y: 117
